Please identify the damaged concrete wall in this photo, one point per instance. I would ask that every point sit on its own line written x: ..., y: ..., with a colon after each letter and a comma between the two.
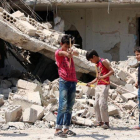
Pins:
x: 113, y: 35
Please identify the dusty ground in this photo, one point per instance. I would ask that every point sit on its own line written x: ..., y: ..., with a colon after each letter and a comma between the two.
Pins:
x: 119, y: 133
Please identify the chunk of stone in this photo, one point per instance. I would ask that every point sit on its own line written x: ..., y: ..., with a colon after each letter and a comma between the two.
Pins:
x: 82, y: 121
x: 122, y: 75
x: 49, y: 116
x: 12, y: 113
x: 40, y: 111
x: 128, y: 96
x: 29, y: 115
x: 79, y: 93
x: 18, y: 14
x: 112, y: 110
x: 133, y: 62
x: 130, y: 104
x: 2, y: 117
x: 26, y: 85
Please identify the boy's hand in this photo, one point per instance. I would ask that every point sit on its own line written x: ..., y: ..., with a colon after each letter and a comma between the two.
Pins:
x: 69, y: 54
x: 88, y: 84
x: 100, y: 77
x: 136, y: 85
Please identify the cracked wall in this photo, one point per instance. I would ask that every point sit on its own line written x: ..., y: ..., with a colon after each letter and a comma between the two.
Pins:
x: 103, y: 32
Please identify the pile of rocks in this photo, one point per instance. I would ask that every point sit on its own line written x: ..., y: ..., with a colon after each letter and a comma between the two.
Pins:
x: 26, y: 104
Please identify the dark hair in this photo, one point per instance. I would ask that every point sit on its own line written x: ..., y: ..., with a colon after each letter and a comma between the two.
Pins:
x: 136, y: 49
x: 90, y: 54
x: 66, y: 39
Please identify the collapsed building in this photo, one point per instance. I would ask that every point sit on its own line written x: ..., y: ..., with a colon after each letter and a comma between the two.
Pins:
x: 27, y: 40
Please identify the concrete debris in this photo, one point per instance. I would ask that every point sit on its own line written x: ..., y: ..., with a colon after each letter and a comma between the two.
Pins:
x: 130, y: 104
x: 30, y: 115
x: 12, y: 113
x: 30, y: 102
x: 112, y: 110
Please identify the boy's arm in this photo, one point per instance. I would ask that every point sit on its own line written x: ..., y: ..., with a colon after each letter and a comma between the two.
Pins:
x: 111, y: 71
x: 92, y: 82
x: 64, y: 53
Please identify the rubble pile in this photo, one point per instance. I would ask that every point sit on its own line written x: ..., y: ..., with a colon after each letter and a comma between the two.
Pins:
x: 26, y: 104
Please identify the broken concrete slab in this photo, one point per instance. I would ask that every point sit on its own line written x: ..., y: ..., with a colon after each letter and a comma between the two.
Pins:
x: 29, y: 115
x: 26, y: 85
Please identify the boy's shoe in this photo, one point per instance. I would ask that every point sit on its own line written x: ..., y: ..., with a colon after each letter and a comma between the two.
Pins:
x: 137, y: 127
x: 105, y: 125
x: 98, y: 124
x: 60, y: 134
x: 70, y: 133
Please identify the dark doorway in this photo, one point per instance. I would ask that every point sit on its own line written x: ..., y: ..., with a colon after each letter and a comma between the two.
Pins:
x: 78, y: 40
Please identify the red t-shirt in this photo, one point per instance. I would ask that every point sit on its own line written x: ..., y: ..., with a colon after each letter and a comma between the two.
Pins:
x: 64, y: 71
x: 102, y: 70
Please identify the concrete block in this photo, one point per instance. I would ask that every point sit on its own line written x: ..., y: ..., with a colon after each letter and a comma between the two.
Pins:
x: 49, y: 116
x: 2, y: 117
x: 82, y: 121
x: 90, y: 102
x: 19, y: 100
x: 130, y: 81
x: 18, y: 14
x: 29, y: 115
x: 128, y: 96
x: 122, y: 75
x: 40, y: 111
x: 133, y: 62
x: 112, y: 110
x: 130, y: 104
x: 26, y: 85
x: 47, y: 33
x: 26, y: 27
x: 129, y: 87
x: 12, y: 113
x: 79, y: 93
x: 1, y: 100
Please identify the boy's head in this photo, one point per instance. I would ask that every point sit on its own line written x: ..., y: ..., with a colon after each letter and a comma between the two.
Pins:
x: 65, y: 42
x: 137, y: 52
x: 92, y: 56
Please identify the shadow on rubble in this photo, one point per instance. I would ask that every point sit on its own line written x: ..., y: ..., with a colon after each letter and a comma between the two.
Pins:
x: 94, y: 136
x: 121, y: 128
x: 14, y: 134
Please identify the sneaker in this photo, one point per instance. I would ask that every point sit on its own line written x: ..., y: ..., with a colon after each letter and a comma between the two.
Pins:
x: 98, y: 124
x: 105, y: 125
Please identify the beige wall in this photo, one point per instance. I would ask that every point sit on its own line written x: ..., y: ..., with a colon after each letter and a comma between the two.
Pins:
x: 112, y: 35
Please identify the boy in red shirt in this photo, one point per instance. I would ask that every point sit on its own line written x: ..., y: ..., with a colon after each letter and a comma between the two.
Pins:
x: 67, y: 86
x: 102, y: 88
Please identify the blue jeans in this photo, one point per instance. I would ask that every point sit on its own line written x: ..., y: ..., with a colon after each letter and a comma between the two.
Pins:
x: 66, y: 101
x: 139, y: 104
